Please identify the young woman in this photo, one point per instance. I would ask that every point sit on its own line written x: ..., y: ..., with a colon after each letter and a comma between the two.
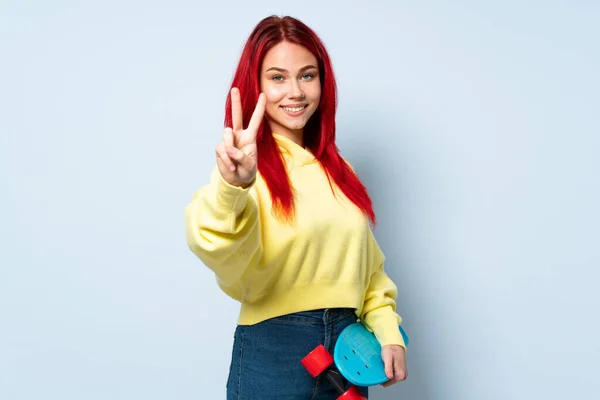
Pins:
x: 284, y: 222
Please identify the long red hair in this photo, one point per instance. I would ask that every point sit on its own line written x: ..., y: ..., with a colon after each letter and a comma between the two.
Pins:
x: 319, y: 132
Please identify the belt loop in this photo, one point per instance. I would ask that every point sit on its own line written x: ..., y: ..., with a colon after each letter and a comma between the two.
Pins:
x: 331, y: 314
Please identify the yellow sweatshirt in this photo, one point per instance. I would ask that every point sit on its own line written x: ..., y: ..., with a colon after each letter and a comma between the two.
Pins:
x: 326, y: 258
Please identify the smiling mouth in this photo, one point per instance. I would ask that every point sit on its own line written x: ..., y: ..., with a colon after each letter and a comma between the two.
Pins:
x: 294, y: 109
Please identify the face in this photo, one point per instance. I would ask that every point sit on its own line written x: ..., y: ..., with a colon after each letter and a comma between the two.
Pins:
x: 290, y: 81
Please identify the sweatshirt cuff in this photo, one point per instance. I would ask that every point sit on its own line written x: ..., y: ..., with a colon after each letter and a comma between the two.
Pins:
x: 232, y: 197
x: 385, y: 324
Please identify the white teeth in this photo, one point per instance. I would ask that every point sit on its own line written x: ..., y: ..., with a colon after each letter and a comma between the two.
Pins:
x: 294, y: 109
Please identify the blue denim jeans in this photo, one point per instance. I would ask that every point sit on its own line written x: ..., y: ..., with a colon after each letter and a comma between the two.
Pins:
x: 265, y: 362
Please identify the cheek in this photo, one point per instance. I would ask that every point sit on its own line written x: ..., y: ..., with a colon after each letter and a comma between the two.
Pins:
x: 318, y: 95
x: 274, y: 95
x: 314, y: 92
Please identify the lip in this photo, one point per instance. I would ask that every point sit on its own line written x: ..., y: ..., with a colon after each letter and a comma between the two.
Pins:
x: 294, y: 105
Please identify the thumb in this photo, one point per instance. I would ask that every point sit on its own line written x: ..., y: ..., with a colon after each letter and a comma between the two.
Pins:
x: 236, y: 154
x: 250, y: 149
x: 243, y: 157
x: 388, y: 362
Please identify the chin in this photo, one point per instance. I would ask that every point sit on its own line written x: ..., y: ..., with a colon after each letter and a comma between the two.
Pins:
x: 295, y: 126
x: 292, y: 124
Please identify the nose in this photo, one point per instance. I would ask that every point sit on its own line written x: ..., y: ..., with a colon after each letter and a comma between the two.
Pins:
x: 295, y: 91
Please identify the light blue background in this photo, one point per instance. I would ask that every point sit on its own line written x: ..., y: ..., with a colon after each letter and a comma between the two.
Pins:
x: 473, y: 124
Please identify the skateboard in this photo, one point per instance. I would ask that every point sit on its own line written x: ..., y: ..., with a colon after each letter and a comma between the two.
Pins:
x: 356, y: 358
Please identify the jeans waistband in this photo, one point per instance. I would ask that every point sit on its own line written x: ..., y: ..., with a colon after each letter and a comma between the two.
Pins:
x: 316, y: 317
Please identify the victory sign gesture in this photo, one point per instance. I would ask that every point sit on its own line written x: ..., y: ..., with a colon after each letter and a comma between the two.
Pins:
x: 237, y: 153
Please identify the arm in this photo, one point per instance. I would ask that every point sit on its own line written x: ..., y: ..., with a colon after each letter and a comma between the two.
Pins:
x: 223, y: 229
x: 379, y: 305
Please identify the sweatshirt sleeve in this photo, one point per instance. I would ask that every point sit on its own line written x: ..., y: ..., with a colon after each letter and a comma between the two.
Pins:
x: 379, y: 305
x: 222, y: 228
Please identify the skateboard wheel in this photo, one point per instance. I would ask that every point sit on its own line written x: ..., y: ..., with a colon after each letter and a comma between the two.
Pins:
x: 317, y: 361
x: 352, y: 394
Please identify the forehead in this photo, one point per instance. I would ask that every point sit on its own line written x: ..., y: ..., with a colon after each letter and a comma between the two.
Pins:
x: 288, y: 56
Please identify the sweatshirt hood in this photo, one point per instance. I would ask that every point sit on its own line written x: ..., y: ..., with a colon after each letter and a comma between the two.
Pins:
x: 294, y: 154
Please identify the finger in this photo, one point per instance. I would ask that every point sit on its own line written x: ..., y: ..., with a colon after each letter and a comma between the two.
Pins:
x: 240, y: 158
x: 399, y: 370
x: 388, y: 361
x: 399, y: 367
x: 228, y: 139
x: 222, y: 155
x: 258, y: 114
x: 221, y: 166
x: 236, y: 110
x: 394, y: 379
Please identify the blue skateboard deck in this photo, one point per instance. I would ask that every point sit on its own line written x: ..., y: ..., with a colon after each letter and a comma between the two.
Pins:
x: 357, y: 355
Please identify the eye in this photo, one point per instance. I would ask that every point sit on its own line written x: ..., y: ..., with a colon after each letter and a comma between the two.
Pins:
x: 308, y: 76
x: 277, y: 78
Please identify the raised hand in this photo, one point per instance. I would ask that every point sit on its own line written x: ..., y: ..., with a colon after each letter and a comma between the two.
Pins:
x: 236, y: 154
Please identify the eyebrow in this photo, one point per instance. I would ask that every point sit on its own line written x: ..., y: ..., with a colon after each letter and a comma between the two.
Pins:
x: 285, y: 70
